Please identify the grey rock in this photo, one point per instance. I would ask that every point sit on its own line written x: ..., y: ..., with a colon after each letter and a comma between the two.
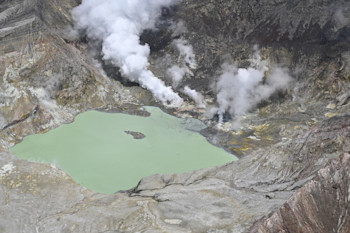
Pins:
x: 318, y: 206
x: 343, y: 99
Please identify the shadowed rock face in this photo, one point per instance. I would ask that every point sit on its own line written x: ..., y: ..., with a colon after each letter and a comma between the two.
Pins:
x: 267, y: 21
x: 320, y: 206
x: 277, y: 186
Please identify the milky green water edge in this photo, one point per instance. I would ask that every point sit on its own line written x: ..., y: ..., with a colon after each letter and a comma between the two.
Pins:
x: 97, y: 153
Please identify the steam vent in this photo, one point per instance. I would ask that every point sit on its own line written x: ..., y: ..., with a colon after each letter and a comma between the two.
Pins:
x: 264, y: 85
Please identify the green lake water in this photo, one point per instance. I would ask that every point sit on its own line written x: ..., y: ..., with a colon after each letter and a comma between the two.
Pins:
x: 97, y: 153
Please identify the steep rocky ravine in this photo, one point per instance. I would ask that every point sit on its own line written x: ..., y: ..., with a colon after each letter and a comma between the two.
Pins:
x: 293, y: 175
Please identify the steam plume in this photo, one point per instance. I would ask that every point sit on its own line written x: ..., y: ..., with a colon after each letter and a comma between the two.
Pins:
x: 197, y: 97
x: 187, y: 56
x: 176, y: 73
x: 239, y: 89
x: 186, y: 51
x: 118, y: 24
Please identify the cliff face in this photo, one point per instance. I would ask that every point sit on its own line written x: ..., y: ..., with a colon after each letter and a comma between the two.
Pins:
x: 277, y: 186
x: 320, y: 206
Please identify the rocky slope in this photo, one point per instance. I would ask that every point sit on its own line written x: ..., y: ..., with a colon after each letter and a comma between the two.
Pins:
x: 277, y: 186
x: 327, y: 195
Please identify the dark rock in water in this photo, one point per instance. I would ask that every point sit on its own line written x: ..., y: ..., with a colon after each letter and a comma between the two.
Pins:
x: 136, y: 135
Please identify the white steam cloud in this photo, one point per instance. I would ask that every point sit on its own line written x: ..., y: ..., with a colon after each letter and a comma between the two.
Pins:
x: 186, y: 51
x: 118, y: 24
x: 197, y: 97
x: 239, y: 89
x: 176, y: 73
x: 187, y: 56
